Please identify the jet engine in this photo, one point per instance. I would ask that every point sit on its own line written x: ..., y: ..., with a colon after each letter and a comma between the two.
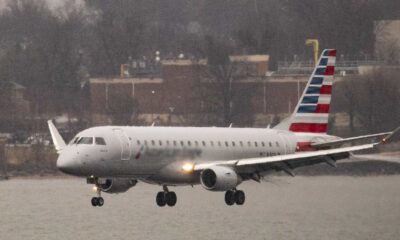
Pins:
x: 219, y: 178
x: 115, y: 185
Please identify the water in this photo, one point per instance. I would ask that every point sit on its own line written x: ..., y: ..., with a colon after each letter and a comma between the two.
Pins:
x: 286, y: 208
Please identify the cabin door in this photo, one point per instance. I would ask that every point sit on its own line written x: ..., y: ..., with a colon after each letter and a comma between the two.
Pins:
x: 124, y: 142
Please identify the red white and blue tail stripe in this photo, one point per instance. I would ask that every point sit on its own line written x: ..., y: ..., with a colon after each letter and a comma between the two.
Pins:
x: 312, y: 111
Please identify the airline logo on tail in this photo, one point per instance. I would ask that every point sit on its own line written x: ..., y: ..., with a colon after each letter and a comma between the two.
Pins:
x: 312, y: 111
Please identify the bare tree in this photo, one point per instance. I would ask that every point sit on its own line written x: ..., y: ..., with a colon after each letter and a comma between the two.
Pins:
x: 372, y: 100
x: 221, y: 73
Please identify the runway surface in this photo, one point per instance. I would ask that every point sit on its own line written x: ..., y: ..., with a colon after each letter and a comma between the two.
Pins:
x: 285, y: 208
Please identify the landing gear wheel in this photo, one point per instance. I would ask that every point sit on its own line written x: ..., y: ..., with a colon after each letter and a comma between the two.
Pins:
x: 170, y: 198
x: 95, y: 202
x: 230, y: 197
x: 161, y: 199
x: 240, y: 197
x: 100, y: 201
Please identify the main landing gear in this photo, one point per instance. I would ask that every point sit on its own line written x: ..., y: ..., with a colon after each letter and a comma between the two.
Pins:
x: 166, y: 198
x: 234, y: 196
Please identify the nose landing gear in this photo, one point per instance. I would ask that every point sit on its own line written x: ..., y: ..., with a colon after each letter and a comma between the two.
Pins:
x: 166, y: 198
x: 97, y: 201
x: 234, y: 196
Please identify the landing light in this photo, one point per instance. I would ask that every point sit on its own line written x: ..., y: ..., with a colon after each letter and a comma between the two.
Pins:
x: 94, y: 189
x: 188, y: 167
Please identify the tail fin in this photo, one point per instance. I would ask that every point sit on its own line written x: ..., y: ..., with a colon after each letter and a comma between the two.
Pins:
x: 312, y: 111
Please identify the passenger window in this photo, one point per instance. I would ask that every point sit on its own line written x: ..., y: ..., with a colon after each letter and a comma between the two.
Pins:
x: 174, y: 143
x: 138, y: 142
x: 277, y: 144
x: 145, y: 142
x: 255, y: 144
x: 153, y: 142
x: 212, y: 144
x: 160, y: 142
x: 270, y: 144
x: 263, y: 144
x: 249, y: 143
x: 226, y: 144
x: 167, y: 142
x: 219, y: 144
x: 189, y: 143
x: 100, y: 141
x: 204, y: 143
x: 182, y: 144
x: 241, y: 143
x: 196, y: 143
x: 86, y: 140
x: 233, y: 143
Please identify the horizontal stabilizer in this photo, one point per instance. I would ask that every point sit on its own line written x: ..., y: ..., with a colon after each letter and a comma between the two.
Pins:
x: 372, y: 138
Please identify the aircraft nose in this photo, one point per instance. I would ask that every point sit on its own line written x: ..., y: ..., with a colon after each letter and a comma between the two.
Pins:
x: 68, y: 164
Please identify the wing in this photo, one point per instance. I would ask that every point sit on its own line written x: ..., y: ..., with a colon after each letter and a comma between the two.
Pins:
x: 252, y: 167
x: 288, y: 161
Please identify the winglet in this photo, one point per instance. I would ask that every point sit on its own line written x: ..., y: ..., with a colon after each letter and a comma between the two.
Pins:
x: 390, y: 135
x: 58, y: 141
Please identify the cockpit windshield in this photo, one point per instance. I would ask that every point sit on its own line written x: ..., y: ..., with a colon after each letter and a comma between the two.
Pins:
x: 73, y: 141
x: 88, y: 140
x: 100, y: 141
x: 85, y: 140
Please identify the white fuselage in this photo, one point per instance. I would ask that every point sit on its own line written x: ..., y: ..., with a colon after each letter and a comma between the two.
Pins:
x: 156, y: 154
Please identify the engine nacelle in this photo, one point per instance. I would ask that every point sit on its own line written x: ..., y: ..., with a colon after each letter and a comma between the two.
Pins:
x: 219, y: 178
x: 115, y: 185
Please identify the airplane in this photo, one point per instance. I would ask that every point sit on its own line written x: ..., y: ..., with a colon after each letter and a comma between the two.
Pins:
x: 116, y: 158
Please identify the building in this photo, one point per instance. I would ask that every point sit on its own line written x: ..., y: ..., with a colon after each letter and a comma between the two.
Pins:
x: 173, y: 92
